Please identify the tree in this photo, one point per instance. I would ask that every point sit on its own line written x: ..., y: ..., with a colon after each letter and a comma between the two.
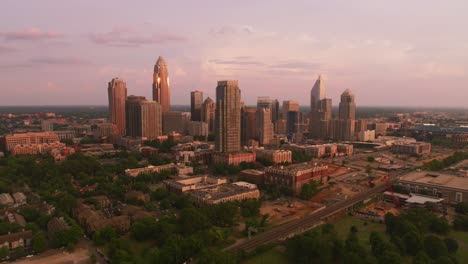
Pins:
x: 413, y: 243
x: 422, y: 258
x: 39, y: 242
x: 378, y: 246
x: 461, y: 208
x: 216, y: 256
x: 439, y: 226
x: 192, y: 220
x: 18, y: 252
x: 104, y: 235
x: 435, y: 247
x: 250, y: 207
x: 370, y: 159
x: 308, y: 190
x: 4, y: 252
x: 368, y: 169
x: 390, y: 257
x: 452, y: 245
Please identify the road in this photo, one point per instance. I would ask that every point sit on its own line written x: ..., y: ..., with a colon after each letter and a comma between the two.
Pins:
x: 301, y: 225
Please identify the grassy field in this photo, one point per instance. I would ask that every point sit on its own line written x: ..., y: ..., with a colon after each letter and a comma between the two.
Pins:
x: 272, y: 256
x: 364, y: 227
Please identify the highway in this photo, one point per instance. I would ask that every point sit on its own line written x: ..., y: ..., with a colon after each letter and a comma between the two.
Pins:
x: 305, y: 223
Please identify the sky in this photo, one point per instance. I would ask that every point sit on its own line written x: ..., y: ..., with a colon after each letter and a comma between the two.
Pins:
x: 389, y: 53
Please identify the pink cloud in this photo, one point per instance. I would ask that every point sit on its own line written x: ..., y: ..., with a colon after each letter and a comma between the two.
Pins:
x: 7, y: 49
x: 128, y: 37
x: 30, y: 34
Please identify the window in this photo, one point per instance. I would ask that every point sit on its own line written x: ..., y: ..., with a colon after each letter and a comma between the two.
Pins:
x: 416, y: 189
x: 434, y: 192
x: 459, y: 197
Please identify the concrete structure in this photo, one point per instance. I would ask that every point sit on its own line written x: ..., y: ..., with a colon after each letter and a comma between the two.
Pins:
x: 117, y: 93
x: 208, y: 113
x: 275, y: 111
x: 252, y: 176
x: 16, y: 240
x: 175, y: 122
x: 196, y: 128
x: 143, y: 118
x: 321, y: 119
x: 6, y: 199
x: 237, y: 191
x: 294, y: 176
x: 280, y: 127
x: 344, y: 125
x: 416, y: 148
x: 228, y: 117
x: 380, y: 128
x: 453, y: 189
x: 233, y: 158
x: 29, y: 138
x: 161, y: 88
x: 273, y: 155
x: 196, y: 102
x: 264, y: 127
x: 67, y: 134
x: 317, y: 93
x: 105, y: 132
x: 173, y: 168
x: 289, y: 106
x: 248, y: 124
x: 182, y: 185
x: 20, y: 198
x: 360, y: 125
x: 47, y: 125
x: 366, y: 135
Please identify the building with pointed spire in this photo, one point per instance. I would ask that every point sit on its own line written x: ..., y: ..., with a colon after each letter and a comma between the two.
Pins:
x: 117, y: 93
x: 317, y: 93
x: 161, y: 88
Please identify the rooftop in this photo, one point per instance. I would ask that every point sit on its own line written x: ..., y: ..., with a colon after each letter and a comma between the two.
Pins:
x: 437, y: 179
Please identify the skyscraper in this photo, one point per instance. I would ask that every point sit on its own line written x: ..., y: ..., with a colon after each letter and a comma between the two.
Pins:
x: 161, y: 89
x: 249, y: 126
x: 344, y: 126
x: 143, y: 117
x: 228, y: 116
x: 275, y: 114
x: 208, y: 113
x: 264, y: 126
x: 196, y: 101
x: 117, y: 93
x: 289, y: 106
x: 317, y: 93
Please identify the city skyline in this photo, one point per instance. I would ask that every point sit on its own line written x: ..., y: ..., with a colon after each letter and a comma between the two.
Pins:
x: 379, y: 63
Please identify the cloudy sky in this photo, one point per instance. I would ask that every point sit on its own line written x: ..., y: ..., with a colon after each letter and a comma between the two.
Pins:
x: 411, y: 53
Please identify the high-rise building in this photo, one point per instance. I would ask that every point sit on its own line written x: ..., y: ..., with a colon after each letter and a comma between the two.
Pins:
x: 264, y: 126
x: 196, y: 101
x: 161, y: 89
x: 280, y: 127
x: 248, y: 127
x: 175, y: 122
x: 265, y: 102
x: 321, y: 119
x: 289, y: 106
x: 344, y: 126
x: 117, y: 93
x: 143, y: 118
x: 317, y: 93
x: 208, y: 113
x: 275, y: 112
x: 228, y: 116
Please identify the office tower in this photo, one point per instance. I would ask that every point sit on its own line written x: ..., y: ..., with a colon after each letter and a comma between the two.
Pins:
x: 275, y: 114
x: 196, y: 101
x: 280, y: 127
x: 360, y: 125
x: 228, y: 117
x: 289, y: 106
x: 117, y: 92
x: 175, y: 122
x: 143, y: 118
x: 321, y: 119
x: 265, y: 102
x: 344, y: 126
x: 248, y: 127
x: 264, y: 126
x: 161, y: 89
x: 208, y: 113
x: 317, y: 93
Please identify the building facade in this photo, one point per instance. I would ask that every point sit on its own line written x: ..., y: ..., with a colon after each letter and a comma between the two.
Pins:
x: 143, y: 118
x: 161, y: 88
x: 208, y: 114
x: 196, y: 102
x: 117, y: 93
x: 228, y: 117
